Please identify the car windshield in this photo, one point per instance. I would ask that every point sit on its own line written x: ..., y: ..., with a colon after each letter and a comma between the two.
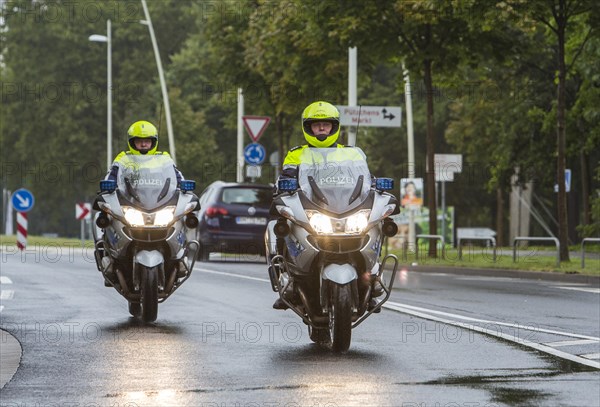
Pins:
x: 247, y: 196
x: 336, y: 179
x: 147, y: 181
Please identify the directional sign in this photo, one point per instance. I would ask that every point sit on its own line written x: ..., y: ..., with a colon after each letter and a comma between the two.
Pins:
x: 256, y: 125
x: 254, y: 154
x: 83, y: 211
x: 22, y: 200
x: 371, y: 116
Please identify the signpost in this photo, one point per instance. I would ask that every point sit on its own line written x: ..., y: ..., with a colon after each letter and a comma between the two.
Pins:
x: 83, y: 213
x: 445, y: 165
x: 371, y: 116
x: 255, y: 153
x: 23, y: 201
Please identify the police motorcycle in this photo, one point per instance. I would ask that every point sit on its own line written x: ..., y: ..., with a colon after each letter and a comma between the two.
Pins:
x: 145, y: 238
x: 324, y: 250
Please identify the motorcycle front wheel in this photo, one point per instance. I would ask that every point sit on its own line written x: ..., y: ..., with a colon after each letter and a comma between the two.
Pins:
x: 340, y: 317
x: 149, y: 293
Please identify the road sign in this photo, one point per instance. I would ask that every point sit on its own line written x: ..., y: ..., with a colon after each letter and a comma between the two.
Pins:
x: 371, y: 116
x: 253, y: 171
x: 255, y: 125
x: 83, y: 211
x: 446, y: 165
x: 254, y: 154
x: 22, y: 200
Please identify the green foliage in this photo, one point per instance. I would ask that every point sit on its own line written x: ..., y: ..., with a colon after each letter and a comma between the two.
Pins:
x: 493, y: 66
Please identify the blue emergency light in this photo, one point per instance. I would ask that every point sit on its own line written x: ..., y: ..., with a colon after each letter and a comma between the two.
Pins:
x: 384, y: 184
x: 287, y: 185
x: 187, y: 185
x: 108, y: 186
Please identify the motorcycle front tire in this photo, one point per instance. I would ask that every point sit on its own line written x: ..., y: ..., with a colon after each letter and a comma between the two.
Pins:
x: 149, y: 293
x: 340, y: 317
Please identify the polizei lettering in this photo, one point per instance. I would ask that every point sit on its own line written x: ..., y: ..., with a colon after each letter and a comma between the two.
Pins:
x: 336, y: 180
x: 148, y: 182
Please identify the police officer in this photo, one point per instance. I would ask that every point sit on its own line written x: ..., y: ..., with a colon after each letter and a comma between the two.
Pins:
x: 321, y: 128
x: 142, y: 140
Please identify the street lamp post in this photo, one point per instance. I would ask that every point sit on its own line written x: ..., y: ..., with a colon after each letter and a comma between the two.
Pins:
x: 161, y: 75
x: 108, y: 40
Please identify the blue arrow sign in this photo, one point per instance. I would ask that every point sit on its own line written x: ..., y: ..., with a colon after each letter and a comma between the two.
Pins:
x: 254, y: 154
x: 22, y: 200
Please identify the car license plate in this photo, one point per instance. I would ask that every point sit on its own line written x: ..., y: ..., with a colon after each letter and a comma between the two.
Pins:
x: 245, y: 220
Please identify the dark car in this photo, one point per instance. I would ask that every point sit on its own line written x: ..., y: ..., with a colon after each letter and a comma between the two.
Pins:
x: 233, y: 218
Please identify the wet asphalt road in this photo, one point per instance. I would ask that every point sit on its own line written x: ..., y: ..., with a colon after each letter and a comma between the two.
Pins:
x: 217, y: 342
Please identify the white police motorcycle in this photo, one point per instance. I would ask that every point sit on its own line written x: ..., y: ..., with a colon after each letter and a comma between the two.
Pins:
x: 324, y: 250
x: 145, y: 238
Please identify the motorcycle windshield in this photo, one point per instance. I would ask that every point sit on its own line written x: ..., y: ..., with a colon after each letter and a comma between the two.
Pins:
x: 148, y: 182
x: 336, y: 179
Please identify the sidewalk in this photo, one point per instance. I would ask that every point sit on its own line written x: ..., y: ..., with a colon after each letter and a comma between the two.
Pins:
x: 10, y: 355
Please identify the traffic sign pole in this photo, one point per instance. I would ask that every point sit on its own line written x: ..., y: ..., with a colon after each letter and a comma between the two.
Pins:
x: 21, y: 230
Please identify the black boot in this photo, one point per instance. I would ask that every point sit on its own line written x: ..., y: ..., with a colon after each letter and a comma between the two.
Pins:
x: 279, y: 304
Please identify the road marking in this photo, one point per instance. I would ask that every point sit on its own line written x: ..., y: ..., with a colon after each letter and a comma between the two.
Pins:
x: 6, y: 294
x: 5, y: 280
x: 426, y: 314
x: 591, y: 356
x: 511, y: 338
x: 571, y: 343
x: 1, y: 308
x: 224, y: 273
x: 391, y: 305
x: 587, y: 290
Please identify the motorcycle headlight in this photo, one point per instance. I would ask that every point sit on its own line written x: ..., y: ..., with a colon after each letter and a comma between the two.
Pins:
x: 164, y: 216
x: 133, y: 216
x: 319, y: 222
x: 138, y: 218
x: 358, y: 222
x: 352, y: 225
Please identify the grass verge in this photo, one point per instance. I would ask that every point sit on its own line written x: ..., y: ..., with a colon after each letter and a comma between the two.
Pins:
x: 482, y: 258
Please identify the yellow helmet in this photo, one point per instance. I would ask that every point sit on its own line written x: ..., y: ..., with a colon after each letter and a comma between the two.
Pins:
x: 142, y: 130
x: 321, y: 112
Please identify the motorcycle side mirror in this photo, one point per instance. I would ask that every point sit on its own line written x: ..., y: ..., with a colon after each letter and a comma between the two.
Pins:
x: 108, y: 186
x: 287, y: 185
x: 384, y: 184
x: 187, y: 185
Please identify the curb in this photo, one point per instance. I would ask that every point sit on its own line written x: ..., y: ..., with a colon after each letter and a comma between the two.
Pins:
x: 10, y: 354
x: 528, y: 275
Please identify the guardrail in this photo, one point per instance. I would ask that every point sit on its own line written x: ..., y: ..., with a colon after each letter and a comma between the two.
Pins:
x: 487, y: 239
x: 540, y: 239
x: 587, y: 239
x: 430, y: 237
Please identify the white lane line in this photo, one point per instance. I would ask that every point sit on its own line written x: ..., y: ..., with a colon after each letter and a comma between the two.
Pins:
x: 5, y: 280
x: 511, y: 338
x: 6, y: 294
x: 1, y: 308
x: 586, y: 290
x: 391, y: 304
x: 223, y: 273
x: 407, y: 309
x: 571, y: 343
x: 591, y: 356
